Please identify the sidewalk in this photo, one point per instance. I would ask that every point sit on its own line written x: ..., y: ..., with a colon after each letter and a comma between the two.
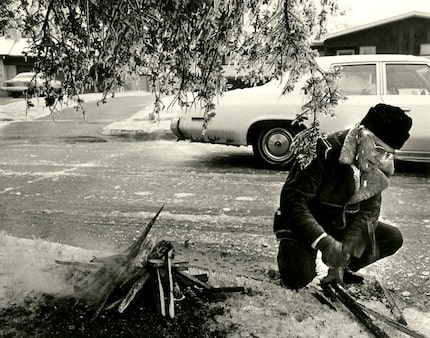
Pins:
x: 142, y: 124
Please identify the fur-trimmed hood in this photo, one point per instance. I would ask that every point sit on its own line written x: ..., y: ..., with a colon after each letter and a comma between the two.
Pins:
x: 368, y: 184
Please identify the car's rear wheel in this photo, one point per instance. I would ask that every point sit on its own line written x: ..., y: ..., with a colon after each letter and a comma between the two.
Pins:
x: 272, y: 146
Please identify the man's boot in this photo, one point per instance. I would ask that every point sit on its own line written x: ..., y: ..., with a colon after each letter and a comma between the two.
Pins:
x: 351, y: 277
x: 334, y: 274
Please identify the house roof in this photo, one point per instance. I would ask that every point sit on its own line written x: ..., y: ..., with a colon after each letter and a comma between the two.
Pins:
x: 13, y: 47
x: 408, y: 15
x: 5, y: 45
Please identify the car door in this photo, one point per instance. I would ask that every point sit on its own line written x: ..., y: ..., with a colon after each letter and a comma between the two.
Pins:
x: 407, y: 85
x: 361, y: 83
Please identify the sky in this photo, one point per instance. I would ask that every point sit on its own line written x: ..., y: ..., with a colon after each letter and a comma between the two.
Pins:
x: 359, y: 12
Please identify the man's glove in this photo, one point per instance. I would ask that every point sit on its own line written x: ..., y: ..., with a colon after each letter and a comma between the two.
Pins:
x: 334, y: 275
x: 332, y: 252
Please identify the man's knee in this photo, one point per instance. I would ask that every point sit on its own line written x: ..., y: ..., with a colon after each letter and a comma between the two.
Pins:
x: 396, y: 240
x: 296, y: 264
x: 389, y: 239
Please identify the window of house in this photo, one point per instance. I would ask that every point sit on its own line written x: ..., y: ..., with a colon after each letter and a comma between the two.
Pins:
x: 358, y: 79
x: 408, y: 79
x: 345, y: 52
x: 367, y: 50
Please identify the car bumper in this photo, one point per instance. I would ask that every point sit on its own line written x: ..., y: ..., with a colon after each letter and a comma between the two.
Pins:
x: 409, y: 156
x: 174, y: 127
x: 14, y: 89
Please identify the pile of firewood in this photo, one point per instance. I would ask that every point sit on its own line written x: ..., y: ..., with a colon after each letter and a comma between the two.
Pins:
x: 146, y: 267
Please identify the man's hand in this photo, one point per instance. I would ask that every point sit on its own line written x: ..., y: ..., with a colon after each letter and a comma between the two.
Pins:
x: 332, y: 252
x: 334, y: 274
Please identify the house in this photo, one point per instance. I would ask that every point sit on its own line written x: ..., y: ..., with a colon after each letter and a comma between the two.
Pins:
x: 12, y: 59
x: 408, y: 33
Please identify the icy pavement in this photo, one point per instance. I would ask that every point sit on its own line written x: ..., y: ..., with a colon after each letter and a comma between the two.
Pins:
x: 139, y: 123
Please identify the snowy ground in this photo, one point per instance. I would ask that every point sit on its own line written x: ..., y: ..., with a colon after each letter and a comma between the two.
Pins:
x: 28, y: 266
x: 143, y: 121
x: 16, y: 111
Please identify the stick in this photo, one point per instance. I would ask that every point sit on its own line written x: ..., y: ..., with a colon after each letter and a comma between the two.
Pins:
x: 137, y: 286
x: 194, y: 281
x: 203, y: 277
x: 158, y: 262
x: 133, y: 250
x: 191, y: 280
x: 337, y: 291
x: 109, y: 260
x: 78, y: 264
x: 112, y: 305
x: 101, y: 305
x: 394, y: 307
x: 322, y: 299
x: 169, y: 274
x: 393, y: 323
x: 225, y: 289
x: 161, y: 294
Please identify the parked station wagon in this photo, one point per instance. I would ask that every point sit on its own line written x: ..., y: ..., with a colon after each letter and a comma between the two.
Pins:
x: 262, y: 117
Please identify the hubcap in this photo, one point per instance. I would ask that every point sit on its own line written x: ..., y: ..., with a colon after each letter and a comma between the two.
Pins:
x: 276, y: 144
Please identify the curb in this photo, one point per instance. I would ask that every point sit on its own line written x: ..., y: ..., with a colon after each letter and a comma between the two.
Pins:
x: 140, y: 134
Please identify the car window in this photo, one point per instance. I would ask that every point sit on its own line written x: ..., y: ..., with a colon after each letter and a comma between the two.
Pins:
x: 24, y: 76
x: 408, y: 79
x: 358, y: 79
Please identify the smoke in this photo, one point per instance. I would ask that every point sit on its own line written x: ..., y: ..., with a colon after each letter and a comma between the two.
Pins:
x: 28, y: 268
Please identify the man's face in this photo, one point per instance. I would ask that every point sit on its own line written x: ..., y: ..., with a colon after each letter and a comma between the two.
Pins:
x: 373, y: 152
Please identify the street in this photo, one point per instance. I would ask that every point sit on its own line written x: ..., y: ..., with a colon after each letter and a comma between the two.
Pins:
x: 64, y: 181
x: 117, y: 220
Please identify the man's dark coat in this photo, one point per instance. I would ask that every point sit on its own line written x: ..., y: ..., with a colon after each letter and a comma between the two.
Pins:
x: 314, y: 200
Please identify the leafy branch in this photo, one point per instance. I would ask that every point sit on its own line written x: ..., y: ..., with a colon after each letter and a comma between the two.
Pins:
x: 180, y: 45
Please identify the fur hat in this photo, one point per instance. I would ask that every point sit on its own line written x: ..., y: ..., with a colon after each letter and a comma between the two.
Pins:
x: 389, y: 123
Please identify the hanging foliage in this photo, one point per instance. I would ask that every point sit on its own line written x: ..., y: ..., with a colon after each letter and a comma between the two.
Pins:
x: 180, y: 45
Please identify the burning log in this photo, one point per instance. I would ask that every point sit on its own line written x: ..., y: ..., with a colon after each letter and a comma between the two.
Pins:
x: 98, y: 280
x: 115, y: 281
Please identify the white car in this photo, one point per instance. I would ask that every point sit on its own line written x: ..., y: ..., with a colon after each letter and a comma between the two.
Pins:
x: 262, y: 117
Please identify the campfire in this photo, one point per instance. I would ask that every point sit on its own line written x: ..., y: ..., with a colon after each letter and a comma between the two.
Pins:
x: 146, y: 269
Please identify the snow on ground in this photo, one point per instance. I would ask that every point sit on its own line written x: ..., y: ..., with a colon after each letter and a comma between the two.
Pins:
x: 144, y: 121
x: 16, y: 111
x: 27, y: 266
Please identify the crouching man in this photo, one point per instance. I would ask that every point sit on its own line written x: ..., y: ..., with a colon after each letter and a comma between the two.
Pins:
x: 333, y: 204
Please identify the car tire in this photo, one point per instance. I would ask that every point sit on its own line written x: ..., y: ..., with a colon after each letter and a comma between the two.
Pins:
x: 272, y: 146
x: 15, y: 95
